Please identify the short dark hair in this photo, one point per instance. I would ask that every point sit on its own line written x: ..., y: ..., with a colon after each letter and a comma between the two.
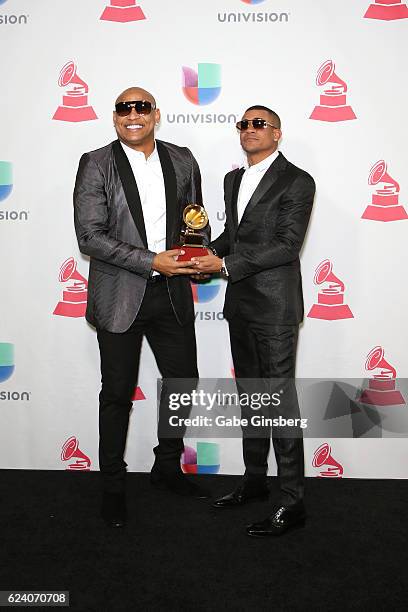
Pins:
x: 268, y: 110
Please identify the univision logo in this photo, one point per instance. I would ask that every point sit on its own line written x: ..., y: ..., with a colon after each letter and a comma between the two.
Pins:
x: 204, y: 460
x: 12, y: 19
x: 6, y: 187
x: 7, y: 370
x: 254, y: 17
x: 6, y: 178
x: 205, y: 292
x: 6, y: 360
x: 202, y: 86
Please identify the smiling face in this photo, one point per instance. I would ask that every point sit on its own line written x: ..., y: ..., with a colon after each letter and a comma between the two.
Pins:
x: 261, y: 143
x: 136, y: 131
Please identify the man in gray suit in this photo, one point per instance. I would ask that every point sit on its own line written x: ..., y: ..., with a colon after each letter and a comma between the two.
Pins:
x: 129, y: 199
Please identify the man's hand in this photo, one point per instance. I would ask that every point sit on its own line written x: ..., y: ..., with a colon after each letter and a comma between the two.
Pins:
x: 207, y: 264
x: 166, y: 263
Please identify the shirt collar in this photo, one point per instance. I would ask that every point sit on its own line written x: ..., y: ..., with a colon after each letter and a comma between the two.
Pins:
x: 262, y: 165
x: 139, y: 155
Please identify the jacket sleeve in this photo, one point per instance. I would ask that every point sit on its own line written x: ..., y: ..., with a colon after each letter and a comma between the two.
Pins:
x: 284, y: 245
x: 91, y: 223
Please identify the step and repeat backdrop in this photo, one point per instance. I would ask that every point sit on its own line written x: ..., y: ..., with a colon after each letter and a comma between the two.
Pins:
x: 336, y: 74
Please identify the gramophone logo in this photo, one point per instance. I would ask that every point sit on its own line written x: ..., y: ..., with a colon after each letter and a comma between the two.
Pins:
x: 333, y: 103
x: 252, y: 1
x: 6, y: 179
x: 330, y: 300
x: 122, y: 11
x: 385, y: 204
x: 138, y: 395
x: 382, y: 386
x: 74, y: 106
x: 6, y: 360
x: 323, y: 461
x: 74, y: 296
x: 205, y: 292
x: 203, y: 86
x: 387, y: 10
x: 71, y: 450
x: 204, y: 460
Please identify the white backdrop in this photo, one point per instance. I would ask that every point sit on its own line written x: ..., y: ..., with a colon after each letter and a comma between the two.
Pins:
x: 269, y: 53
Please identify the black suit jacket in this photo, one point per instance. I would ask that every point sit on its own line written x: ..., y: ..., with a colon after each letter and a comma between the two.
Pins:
x: 262, y: 252
x: 110, y: 229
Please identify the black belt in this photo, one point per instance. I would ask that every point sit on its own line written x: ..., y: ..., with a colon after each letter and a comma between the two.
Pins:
x: 157, y: 278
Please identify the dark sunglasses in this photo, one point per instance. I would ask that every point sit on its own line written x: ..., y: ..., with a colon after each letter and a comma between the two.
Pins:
x: 257, y: 124
x: 142, y: 107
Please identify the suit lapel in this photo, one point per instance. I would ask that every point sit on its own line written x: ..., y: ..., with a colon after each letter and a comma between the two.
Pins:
x: 266, y: 183
x: 234, y: 195
x: 130, y: 188
x: 170, y: 186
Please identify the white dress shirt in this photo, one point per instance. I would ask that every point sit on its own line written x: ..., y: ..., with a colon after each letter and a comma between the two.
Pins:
x: 250, y: 181
x: 150, y: 183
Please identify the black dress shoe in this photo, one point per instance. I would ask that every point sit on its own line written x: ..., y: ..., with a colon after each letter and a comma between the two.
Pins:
x: 285, y: 518
x: 247, y: 491
x: 114, y: 509
x: 177, y: 482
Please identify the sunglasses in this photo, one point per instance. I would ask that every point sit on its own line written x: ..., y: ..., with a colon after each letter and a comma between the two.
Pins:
x: 257, y: 124
x: 142, y: 107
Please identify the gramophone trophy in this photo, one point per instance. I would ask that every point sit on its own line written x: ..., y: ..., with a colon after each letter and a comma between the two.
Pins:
x: 191, y: 241
x: 333, y: 104
x: 385, y: 204
x: 330, y: 301
x: 381, y: 387
x: 387, y: 10
x: 122, y: 11
x: 75, y: 101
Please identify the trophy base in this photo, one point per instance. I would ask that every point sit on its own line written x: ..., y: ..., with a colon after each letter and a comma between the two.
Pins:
x: 75, y: 114
x: 333, y: 113
x: 122, y: 15
x: 69, y: 309
x: 387, y: 13
x: 191, y: 251
x: 381, y: 398
x: 330, y: 313
x: 385, y: 213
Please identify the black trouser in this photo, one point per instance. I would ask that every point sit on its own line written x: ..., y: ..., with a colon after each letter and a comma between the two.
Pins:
x: 174, y: 348
x: 268, y: 352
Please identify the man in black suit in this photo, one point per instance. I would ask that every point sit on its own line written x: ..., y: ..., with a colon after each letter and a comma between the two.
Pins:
x: 129, y: 200
x: 268, y: 206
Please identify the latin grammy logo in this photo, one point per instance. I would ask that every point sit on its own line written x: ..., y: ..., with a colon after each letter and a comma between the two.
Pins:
x: 333, y: 104
x: 70, y: 449
x: 384, y: 201
x: 330, y: 300
x: 122, y: 11
x: 75, y: 101
x: 74, y: 296
x: 138, y: 395
x: 381, y: 387
x: 387, y: 10
x: 330, y: 468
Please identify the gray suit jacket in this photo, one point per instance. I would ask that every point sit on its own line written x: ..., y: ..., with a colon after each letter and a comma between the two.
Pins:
x: 110, y: 229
